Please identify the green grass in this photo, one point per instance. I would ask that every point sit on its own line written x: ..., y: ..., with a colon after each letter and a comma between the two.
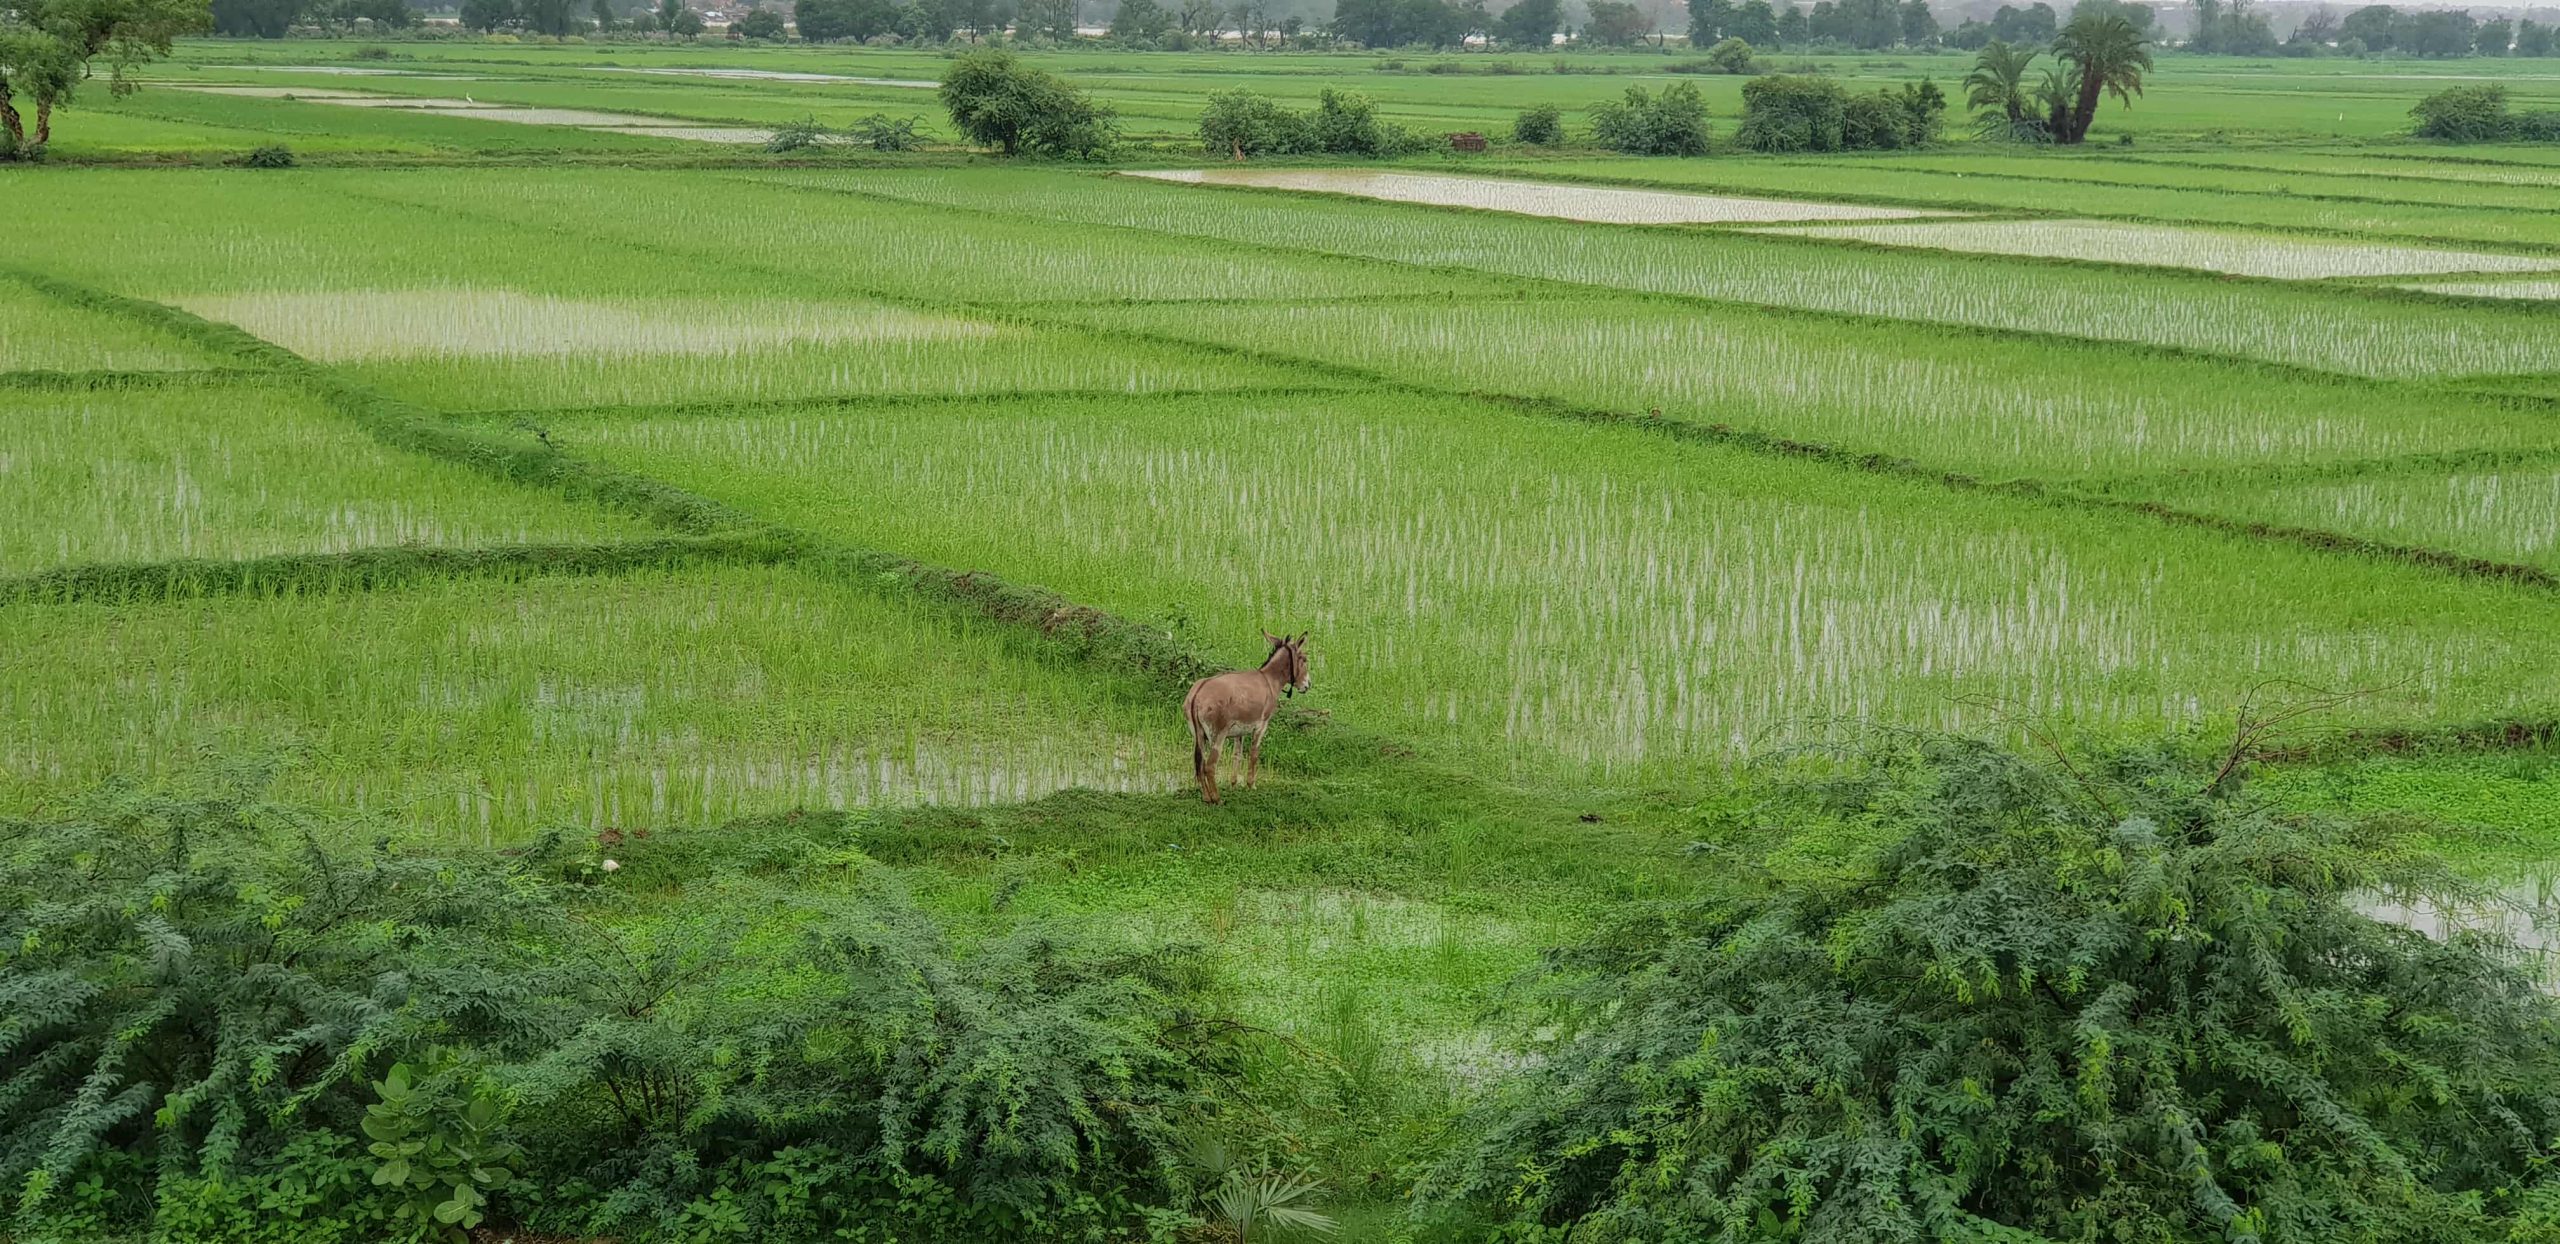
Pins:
x: 484, y: 711
x: 1993, y: 408
x: 2349, y: 331
x: 2500, y: 515
x: 2494, y: 812
x: 38, y: 333
x: 1007, y: 359
x: 233, y: 472
x: 903, y: 249
x: 1595, y: 602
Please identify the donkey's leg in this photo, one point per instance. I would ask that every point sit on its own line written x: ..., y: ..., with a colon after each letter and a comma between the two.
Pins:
x: 1253, y: 757
x: 1209, y: 773
x: 1199, y: 763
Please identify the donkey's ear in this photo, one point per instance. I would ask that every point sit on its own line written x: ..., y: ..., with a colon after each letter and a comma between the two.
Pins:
x: 1272, y: 639
x: 1302, y: 638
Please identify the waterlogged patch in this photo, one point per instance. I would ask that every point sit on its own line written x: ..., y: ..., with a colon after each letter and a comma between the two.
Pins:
x: 1602, y: 204
x: 2213, y: 250
x: 742, y: 135
x: 769, y: 75
x: 349, y: 325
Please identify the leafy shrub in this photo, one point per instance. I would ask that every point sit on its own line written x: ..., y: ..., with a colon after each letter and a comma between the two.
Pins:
x: 775, y: 1043
x: 1244, y: 124
x: 1541, y: 126
x: 998, y: 101
x: 2465, y: 114
x: 270, y: 156
x: 439, y: 1153
x: 759, y: 24
x: 195, y: 980
x: 1789, y: 112
x: 2119, y: 1000
x: 1346, y: 123
x: 1672, y: 123
x: 881, y: 132
x: 1731, y: 56
x: 800, y: 135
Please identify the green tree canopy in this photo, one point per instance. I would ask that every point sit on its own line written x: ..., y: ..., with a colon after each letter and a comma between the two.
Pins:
x: 1530, y: 23
x: 2107, y: 56
x: 998, y: 101
x: 49, y: 47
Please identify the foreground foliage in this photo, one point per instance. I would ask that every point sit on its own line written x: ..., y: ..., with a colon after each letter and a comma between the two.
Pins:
x: 2078, y: 1002
x: 208, y: 1001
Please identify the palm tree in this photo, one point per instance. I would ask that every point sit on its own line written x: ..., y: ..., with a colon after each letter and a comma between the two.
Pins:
x: 2109, y: 57
x: 1999, y: 80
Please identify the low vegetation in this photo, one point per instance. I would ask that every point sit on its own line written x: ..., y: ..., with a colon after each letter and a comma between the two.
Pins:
x: 2065, y: 999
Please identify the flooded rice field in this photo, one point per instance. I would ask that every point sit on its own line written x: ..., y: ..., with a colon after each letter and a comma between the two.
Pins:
x: 347, y: 325
x: 1599, y: 204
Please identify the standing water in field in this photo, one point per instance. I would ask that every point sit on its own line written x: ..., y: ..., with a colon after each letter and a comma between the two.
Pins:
x: 1602, y: 204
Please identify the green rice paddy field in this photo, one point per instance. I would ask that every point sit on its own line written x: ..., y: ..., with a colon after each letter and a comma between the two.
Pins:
x: 484, y: 479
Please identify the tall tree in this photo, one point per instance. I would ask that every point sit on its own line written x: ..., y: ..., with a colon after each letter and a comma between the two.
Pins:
x: 1919, y: 25
x: 1792, y: 29
x: 1999, y: 82
x: 1708, y: 20
x: 1140, y: 20
x: 2375, y: 25
x: 49, y: 47
x: 264, y: 19
x: 1054, y: 18
x: 1755, y: 23
x: 2495, y: 36
x: 1615, y: 23
x: 2107, y: 56
x: 1533, y: 23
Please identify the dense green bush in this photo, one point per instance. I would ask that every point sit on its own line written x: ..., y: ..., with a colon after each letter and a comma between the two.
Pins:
x: 1242, y: 123
x: 206, y: 1000
x: 195, y: 981
x: 1788, y: 112
x: 1671, y: 123
x: 2120, y: 1000
x: 996, y: 100
x: 1542, y: 126
x: 2478, y: 114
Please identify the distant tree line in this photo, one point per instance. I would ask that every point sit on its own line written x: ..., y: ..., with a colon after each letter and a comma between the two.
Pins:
x: 270, y: 19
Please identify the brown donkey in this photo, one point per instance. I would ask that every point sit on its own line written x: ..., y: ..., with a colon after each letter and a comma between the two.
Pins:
x: 1223, y: 706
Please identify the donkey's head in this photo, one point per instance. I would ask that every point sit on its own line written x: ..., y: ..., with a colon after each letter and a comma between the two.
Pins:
x: 1288, y: 659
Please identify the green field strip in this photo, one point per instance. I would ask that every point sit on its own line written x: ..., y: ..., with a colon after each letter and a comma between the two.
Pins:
x: 1095, y: 522
x: 2411, y: 464
x: 2505, y: 516
x: 1075, y: 630
x: 525, y: 417
x: 37, y: 380
x: 2365, y: 331
x: 684, y: 693
x: 365, y: 570
x: 38, y: 332
x: 1997, y: 409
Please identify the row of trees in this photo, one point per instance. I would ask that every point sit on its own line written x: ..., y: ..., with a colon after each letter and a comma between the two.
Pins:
x: 270, y: 19
x: 2429, y: 32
